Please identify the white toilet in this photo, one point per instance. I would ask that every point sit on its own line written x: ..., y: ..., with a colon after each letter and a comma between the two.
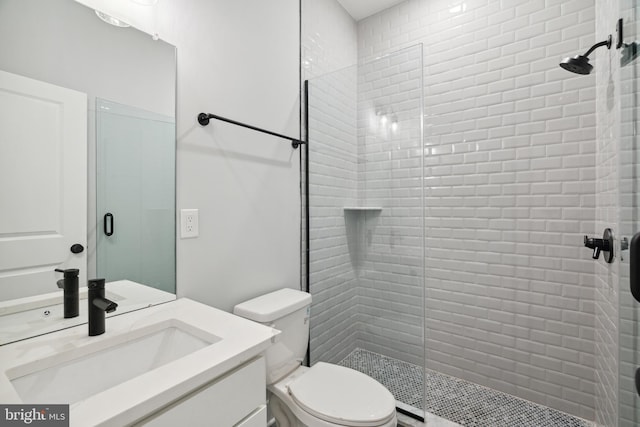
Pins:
x: 324, y: 395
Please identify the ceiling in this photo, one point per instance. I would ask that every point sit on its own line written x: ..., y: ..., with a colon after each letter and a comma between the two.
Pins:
x: 360, y: 9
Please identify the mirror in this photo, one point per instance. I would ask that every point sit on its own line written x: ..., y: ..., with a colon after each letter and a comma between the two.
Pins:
x: 126, y: 82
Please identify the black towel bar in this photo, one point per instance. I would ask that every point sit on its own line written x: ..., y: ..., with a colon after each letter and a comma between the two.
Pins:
x: 203, y: 119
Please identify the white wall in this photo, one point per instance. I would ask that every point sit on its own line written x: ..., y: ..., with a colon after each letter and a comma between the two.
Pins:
x: 237, y: 59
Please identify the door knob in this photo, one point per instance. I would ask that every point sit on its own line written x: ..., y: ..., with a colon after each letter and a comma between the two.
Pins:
x: 77, y: 248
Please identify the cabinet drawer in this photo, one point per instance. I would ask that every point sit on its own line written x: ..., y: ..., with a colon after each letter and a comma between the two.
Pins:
x: 223, y: 402
x: 257, y: 419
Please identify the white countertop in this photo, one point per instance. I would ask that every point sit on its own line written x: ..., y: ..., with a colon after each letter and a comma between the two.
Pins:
x: 240, y: 341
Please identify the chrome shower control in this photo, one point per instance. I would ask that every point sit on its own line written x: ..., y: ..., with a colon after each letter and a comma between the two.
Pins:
x: 604, y: 245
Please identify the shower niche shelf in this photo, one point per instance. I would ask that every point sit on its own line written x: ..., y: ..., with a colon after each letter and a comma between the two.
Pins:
x: 360, y: 225
x: 362, y: 208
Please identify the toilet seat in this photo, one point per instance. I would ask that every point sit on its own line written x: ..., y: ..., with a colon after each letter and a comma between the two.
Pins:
x: 342, y: 396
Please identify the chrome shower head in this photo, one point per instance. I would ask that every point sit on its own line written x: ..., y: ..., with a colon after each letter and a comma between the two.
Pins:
x: 579, y: 64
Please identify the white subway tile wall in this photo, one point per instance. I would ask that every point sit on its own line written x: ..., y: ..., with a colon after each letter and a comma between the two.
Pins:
x: 329, y: 38
x: 332, y: 186
x: 390, y: 175
x: 509, y: 191
x: 627, y: 98
x: 366, y: 266
x: 607, y: 275
x: 329, y: 45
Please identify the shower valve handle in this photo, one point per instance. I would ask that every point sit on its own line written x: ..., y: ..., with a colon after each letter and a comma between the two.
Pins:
x: 601, y: 245
x: 596, y: 244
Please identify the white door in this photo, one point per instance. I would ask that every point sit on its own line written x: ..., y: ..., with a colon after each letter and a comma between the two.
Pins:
x: 43, y: 184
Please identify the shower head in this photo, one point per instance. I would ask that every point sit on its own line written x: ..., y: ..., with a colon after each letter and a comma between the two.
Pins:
x: 579, y: 64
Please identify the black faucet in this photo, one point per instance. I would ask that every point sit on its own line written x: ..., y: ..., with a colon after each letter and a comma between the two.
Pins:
x: 98, y: 306
x: 70, y: 285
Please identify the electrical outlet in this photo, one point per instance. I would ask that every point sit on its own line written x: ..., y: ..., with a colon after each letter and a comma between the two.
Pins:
x: 189, y: 223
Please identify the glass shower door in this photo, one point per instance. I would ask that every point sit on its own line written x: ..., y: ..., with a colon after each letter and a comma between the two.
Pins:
x: 135, y: 195
x: 629, y: 307
x: 366, y: 219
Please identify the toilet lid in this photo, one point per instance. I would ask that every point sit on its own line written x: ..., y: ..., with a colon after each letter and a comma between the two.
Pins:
x: 343, y: 396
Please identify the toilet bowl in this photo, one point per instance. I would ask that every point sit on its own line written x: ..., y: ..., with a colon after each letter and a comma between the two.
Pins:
x: 324, y: 395
x: 327, y: 395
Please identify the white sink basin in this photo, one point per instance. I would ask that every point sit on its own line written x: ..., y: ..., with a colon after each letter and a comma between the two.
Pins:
x: 69, y: 378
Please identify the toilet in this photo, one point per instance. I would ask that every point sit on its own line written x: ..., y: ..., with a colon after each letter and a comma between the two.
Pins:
x: 324, y: 395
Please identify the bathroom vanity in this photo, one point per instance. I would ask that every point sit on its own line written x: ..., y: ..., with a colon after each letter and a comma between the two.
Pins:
x: 179, y: 363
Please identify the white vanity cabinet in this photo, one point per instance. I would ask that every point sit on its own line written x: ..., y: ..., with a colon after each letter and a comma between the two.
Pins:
x: 237, y: 399
x: 176, y: 364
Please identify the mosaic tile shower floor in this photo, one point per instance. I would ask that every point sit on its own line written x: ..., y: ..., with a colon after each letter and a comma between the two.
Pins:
x: 460, y: 401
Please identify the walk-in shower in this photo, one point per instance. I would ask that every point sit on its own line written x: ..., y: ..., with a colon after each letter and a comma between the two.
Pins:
x: 366, y: 176
x: 453, y: 174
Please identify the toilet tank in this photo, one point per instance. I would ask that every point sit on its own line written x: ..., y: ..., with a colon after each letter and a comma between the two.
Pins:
x: 288, y: 311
